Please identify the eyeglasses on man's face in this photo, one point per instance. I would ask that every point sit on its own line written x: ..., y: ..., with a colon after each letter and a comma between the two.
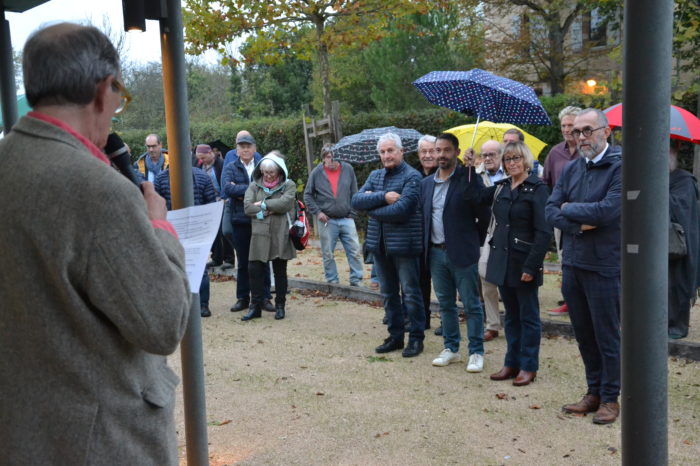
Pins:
x: 587, y: 131
x: 514, y: 159
x: 489, y: 155
x: 125, y: 96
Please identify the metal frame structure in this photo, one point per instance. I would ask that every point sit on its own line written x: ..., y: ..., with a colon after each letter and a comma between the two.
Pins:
x: 648, y: 34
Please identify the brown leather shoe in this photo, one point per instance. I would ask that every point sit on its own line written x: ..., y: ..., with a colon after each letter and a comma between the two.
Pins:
x: 607, y: 413
x: 588, y: 404
x: 490, y: 335
x: 505, y: 373
x: 524, y: 378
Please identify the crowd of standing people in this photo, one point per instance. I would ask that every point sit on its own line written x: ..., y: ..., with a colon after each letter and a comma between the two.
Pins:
x: 474, y: 226
x: 92, y: 337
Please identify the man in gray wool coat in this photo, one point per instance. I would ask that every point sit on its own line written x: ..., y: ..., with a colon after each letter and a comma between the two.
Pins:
x: 84, y: 328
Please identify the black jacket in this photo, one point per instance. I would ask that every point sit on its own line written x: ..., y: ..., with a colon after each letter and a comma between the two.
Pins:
x: 463, y: 220
x: 589, y: 196
x: 683, y: 203
x: 522, y: 235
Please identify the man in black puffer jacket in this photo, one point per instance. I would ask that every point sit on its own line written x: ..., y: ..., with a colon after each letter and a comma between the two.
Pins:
x: 391, y: 197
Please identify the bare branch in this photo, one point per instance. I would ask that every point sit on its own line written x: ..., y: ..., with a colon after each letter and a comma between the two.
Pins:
x: 530, y: 5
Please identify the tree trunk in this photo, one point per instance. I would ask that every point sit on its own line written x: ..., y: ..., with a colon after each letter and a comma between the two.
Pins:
x: 556, y: 54
x: 324, y: 68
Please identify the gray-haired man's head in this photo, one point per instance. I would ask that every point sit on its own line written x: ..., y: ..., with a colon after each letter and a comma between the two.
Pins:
x: 390, y: 150
x: 64, y: 62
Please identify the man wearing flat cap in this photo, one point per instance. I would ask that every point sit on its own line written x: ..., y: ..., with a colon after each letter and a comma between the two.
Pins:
x: 238, y: 169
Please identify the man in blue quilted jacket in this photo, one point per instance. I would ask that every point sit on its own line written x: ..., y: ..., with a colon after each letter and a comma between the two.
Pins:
x: 391, y: 197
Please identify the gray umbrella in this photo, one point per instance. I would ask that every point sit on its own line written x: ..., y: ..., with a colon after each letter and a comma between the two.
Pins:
x: 362, y: 147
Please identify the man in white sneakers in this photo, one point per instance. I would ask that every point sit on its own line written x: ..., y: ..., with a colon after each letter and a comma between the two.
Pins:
x: 454, y: 229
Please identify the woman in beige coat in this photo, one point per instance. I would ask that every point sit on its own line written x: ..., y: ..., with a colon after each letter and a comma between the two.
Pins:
x: 269, y: 201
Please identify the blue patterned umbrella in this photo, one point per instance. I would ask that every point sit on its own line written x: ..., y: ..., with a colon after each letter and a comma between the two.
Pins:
x: 362, y: 147
x: 484, y: 95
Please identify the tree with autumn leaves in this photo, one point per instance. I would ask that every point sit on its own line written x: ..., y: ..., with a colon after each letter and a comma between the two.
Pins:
x: 319, y: 26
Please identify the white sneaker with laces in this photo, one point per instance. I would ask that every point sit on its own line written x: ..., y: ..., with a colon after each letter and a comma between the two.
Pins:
x: 476, y: 363
x: 445, y: 358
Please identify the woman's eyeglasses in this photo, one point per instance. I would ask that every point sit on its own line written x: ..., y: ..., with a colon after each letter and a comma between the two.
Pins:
x: 514, y: 159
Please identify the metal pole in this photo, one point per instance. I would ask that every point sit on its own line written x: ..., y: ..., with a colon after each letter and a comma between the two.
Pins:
x: 177, y: 126
x: 646, y: 99
x: 8, y: 89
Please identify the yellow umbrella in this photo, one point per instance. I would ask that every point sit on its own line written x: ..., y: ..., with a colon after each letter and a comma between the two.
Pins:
x: 486, y: 131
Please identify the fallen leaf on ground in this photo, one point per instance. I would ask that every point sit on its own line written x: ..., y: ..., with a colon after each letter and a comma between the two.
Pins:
x: 220, y: 423
x: 535, y: 407
x: 501, y: 396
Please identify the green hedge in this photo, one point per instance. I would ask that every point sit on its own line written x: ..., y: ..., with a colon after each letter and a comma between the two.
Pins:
x: 286, y: 134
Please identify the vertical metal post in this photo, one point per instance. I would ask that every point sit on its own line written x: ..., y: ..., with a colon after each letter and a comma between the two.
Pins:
x: 8, y: 89
x: 177, y: 126
x: 646, y: 99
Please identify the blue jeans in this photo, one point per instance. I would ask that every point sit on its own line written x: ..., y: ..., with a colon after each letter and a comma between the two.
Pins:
x: 226, y: 226
x: 342, y: 229
x: 241, y: 242
x: 447, y: 279
x: 522, y: 325
x: 396, y: 274
x: 373, y: 274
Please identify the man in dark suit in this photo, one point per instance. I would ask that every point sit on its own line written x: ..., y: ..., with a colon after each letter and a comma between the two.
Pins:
x: 213, y: 166
x: 585, y: 205
x: 454, y: 229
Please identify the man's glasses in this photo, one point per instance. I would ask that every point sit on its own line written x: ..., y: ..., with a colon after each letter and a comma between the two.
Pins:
x: 513, y: 159
x: 125, y: 96
x: 489, y: 155
x: 587, y: 131
x: 427, y: 151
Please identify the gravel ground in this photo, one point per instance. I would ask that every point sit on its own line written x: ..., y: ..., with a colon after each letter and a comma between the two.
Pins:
x: 309, y: 390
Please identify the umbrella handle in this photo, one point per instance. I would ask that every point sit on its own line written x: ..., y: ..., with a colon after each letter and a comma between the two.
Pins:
x: 476, y: 127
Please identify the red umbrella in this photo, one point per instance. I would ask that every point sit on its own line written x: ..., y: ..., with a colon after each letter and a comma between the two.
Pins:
x: 684, y: 125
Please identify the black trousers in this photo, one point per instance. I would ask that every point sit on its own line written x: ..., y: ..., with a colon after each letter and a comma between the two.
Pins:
x: 256, y: 274
x: 594, y: 310
x: 222, y: 249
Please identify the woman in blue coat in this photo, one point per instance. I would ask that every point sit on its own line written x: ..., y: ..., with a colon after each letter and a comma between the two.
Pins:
x: 519, y: 243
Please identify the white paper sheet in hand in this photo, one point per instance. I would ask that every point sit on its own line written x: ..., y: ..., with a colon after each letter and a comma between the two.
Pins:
x: 196, y: 228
